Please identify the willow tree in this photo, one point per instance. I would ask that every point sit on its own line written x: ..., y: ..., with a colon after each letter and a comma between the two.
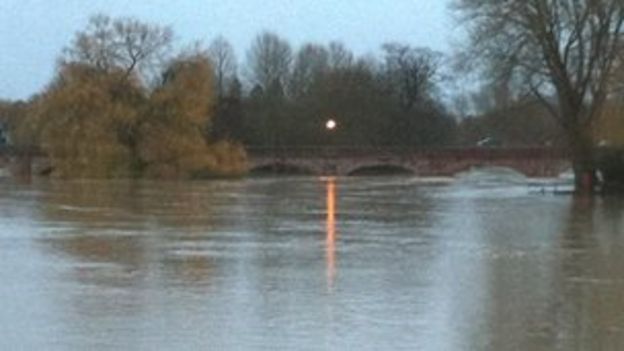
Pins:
x: 565, y: 52
x: 171, y: 141
x: 99, y: 117
x: 81, y: 123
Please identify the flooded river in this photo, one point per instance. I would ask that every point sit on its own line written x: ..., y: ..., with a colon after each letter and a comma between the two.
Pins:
x: 387, y: 263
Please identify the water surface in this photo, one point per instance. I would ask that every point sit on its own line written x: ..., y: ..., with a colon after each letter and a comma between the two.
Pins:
x: 308, y: 264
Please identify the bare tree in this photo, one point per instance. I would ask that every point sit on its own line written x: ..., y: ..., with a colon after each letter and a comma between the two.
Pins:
x: 269, y: 60
x: 565, y: 52
x: 311, y: 61
x: 339, y: 56
x: 120, y: 44
x: 223, y: 60
x: 411, y: 72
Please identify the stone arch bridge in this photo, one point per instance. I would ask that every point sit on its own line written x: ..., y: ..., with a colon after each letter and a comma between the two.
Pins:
x: 532, y: 162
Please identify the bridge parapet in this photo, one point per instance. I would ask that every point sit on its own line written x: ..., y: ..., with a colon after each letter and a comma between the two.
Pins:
x: 533, y: 162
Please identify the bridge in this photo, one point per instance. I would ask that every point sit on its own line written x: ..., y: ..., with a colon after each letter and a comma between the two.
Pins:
x: 532, y: 162
x: 344, y: 161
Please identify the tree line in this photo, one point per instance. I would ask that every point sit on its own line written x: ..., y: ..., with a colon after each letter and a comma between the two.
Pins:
x: 124, y: 101
x: 284, y: 96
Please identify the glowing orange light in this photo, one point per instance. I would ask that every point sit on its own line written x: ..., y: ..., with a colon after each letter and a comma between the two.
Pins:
x: 330, y: 240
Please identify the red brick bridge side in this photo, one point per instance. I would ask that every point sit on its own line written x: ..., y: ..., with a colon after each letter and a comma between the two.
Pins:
x: 532, y: 162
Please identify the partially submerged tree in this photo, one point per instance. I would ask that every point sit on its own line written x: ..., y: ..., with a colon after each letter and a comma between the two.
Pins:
x: 565, y: 52
x: 80, y: 122
x: 99, y: 118
x: 171, y: 137
x: 172, y: 141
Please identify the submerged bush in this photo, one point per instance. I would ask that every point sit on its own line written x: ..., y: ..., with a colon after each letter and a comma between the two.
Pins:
x: 96, y: 124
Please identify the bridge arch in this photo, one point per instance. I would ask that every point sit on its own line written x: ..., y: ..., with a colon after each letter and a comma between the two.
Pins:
x: 494, y: 168
x: 527, y: 168
x: 487, y: 167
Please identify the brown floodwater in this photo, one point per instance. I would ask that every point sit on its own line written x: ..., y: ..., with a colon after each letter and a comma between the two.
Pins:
x: 308, y: 263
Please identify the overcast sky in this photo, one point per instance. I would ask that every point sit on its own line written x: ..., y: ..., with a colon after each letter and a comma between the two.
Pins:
x: 33, y: 32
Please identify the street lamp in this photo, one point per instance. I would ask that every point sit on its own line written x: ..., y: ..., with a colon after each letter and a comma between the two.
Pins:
x: 331, y: 125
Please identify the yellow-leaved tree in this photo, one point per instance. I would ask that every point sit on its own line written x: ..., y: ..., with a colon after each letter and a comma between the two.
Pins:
x: 101, y: 119
x: 172, y: 136
x: 81, y: 122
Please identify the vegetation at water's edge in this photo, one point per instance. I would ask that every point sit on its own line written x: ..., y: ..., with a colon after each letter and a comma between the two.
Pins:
x: 125, y: 103
x: 122, y: 104
x: 108, y: 114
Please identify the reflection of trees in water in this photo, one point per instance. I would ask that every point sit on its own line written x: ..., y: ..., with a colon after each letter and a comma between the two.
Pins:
x: 91, y: 219
x: 190, y: 215
x: 125, y: 242
x: 590, y: 277
x: 93, y: 224
x: 512, y: 267
x: 90, y: 203
x: 566, y: 293
x: 117, y: 231
x: 106, y: 260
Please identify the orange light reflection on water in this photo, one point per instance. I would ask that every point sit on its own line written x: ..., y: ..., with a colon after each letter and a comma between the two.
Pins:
x: 330, y: 239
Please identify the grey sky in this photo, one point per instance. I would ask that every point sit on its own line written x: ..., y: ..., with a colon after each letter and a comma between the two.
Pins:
x: 33, y: 32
